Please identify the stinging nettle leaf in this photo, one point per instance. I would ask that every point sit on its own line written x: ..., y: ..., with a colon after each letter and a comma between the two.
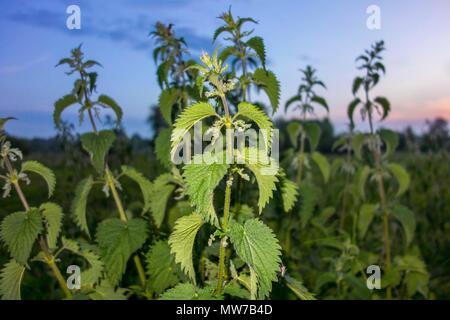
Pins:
x: 257, y: 44
x: 161, y: 267
x: 407, y: 220
x: 162, y: 189
x: 299, y: 289
x: 321, y: 101
x: 289, y: 193
x: 162, y: 147
x: 109, y: 102
x: 182, y: 240
x: 167, y: 100
x: 365, y: 217
x: 390, y: 138
x: 10, y: 280
x: 201, y: 180
x: 19, y: 231
x: 118, y: 240
x: 79, y: 203
x: 144, y: 184
x: 98, y: 145
x: 256, y: 244
x: 385, y: 105
x: 313, y: 132
x: 309, y: 197
x: 259, y: 117
x: 91, y: 275
x: 323, y: 165
x: 262, y: 168
x: 61, y: 105
x: 187, y: 119
x: 267, y: 81
x: 52, y: 214
x: 43, y: 171
x: 402, y: 177
x: 188, y: 291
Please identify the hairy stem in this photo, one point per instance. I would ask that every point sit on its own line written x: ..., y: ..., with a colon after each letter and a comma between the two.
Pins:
x: 223, y: 241
x: 41, y: 239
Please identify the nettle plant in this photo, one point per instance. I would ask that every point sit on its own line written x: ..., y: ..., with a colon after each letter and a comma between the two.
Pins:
x: 248, y: 61
x: 407, y: 274
x: 300, y: 133
x: 21, y: 230
x: 117, y: 239
x: 249, y: 269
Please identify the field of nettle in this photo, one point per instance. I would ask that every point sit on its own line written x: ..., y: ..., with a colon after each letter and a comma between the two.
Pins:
x: 353, y: 218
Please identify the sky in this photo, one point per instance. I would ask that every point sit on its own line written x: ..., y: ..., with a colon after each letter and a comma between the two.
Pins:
x: 328, y: 35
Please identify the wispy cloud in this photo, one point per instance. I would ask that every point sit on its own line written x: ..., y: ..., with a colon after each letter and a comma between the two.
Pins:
x: 132, y: 32
x: 15, y: 68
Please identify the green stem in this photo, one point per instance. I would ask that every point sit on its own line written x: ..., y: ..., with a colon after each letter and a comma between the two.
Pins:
x: 123, y: 217
x: 223, y: 241
x: 382, y: 194
x: 41, y: 239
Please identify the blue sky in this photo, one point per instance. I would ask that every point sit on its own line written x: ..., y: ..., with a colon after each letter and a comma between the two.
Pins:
x: 328, y: 35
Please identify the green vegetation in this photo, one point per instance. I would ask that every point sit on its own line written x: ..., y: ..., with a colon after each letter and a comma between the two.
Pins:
x: 142, y: 226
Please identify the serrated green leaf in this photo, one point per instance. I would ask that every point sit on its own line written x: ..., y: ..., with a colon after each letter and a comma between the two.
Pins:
x: 201, y: 179
x: 385, y: 105
x: 98, y: 145
x: 257, y: 44
x: 187, y: 119
x: 289, y: 193
x: 163, y: 72
x: 299, y: 289
x: 227, y: 52
x: 360, y: 180
x: 265, y: 178
x: 309, y: 197
x: 167, y: 100
x: 407, y: 220
x: 61, y: 105
x: 313, y: 133
x: 182, y: 240
x: 259, y: 117
x: 107, y: 291
x: 10, y: 280
x: 390, y: 138
x: 118, y: 240
x: 351, y: 109
x: 3, y: 121
x: 53, y: 215
x: 321, y: 101
x: 365, y: 217
x: 161, y: 267
x: 89, y: 276
x: 294, y: 129
x: 291, y: 101
x: 19, y: 231
x: 162, y: 189
x: 109, y: 102
x: 267, y: 81
x: 144, y: 184
x: 256, y: 244
x: 402, y: 177
x: 162, y: 147
x: 323, y: 165
x: 43, y: 171
x: 357, y: 84
x: 188, y: 291
x: 79, y: 203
